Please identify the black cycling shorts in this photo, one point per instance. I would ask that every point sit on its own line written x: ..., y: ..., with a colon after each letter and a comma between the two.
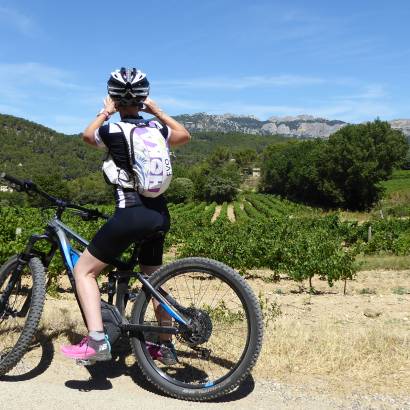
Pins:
x: 129, y: 225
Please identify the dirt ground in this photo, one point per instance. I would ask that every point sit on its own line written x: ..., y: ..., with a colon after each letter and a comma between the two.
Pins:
x: 321, y: 351
x: 347, y: 343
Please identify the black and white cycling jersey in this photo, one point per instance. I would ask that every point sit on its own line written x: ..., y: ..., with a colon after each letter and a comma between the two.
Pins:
x: 111, y: 137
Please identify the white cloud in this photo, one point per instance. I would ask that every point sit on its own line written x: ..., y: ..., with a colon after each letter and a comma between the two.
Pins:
x: 368, y: 92
x: 69, y: 124
x: 346, y: 110
x: 41, y: 93
x: 20, y: 21
x: 239, y: 83
x: 32, y: 85
x: 179, y: 103
x: 366, y: 102
x: 34, y: 74
x: 51, y: 96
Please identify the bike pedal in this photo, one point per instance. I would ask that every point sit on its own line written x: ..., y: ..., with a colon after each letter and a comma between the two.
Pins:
x: 85, y: 362
x: 132, y: 296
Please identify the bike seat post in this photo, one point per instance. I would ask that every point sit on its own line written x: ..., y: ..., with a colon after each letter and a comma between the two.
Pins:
x: 111, y: 288
x: 122, y: 294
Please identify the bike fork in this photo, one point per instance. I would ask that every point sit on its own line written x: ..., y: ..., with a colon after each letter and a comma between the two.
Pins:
x: 12, y: 282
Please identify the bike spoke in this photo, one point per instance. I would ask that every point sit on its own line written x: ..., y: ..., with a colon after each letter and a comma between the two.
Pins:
x: 216, y: 357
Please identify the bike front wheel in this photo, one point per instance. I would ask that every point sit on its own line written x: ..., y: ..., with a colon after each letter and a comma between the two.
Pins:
x: 22, y: 310
x: 222, y: 346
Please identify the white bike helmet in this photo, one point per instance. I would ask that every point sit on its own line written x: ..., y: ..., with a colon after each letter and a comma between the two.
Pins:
x: 128, y: 86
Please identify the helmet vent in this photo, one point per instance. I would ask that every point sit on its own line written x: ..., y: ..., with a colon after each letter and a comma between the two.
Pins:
x: 128, y: 86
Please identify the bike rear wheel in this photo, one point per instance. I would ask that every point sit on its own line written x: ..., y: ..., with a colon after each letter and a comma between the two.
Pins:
x: 221, y: 351
x: 21, y: 316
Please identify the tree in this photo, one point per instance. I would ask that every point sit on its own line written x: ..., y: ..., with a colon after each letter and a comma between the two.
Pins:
x: 290, y: 170
x: 220, y: 157
x: 220, y: 189
x: 406, y: 162
x: 52, y: 183
x: 90, y: 189
x: 180, y: 190
x: 216, y: 180
x: 357, y: 158
x: 344, y: 171
x: 245, y: 157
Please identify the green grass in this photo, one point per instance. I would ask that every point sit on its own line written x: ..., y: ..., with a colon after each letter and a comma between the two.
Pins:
x: 400, y: 290
x: 399, y: 182
x: 367, y: 291
x: 396, y: 200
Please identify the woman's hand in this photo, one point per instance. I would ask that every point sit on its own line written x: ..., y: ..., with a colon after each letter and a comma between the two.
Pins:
x: 109, y: 105
x: 179, y: 134
x: 102, y: 116
x: 151, y: 107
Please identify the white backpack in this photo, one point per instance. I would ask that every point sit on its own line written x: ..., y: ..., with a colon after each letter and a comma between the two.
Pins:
x: 148, y: 157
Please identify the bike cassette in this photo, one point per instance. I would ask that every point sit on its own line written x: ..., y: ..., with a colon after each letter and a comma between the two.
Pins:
x: 201, y: 328
x: 85, y: 362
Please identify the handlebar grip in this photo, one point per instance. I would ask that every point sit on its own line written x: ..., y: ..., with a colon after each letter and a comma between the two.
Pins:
x: 103, y: 216
x: 91, y: 214
x: 97, y: 214
x: 11, y: 179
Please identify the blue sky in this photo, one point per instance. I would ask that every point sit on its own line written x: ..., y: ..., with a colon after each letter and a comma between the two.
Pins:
x: 340, y: 60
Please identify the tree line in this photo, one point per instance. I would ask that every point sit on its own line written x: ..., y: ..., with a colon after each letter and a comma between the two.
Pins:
x: 344, y: 171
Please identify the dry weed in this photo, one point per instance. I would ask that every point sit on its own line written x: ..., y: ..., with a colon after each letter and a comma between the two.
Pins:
x: 361, y: 356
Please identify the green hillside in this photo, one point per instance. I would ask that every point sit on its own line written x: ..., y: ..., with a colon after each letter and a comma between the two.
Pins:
x: 66, y: 166
x: 204, y: 143
x: 30, y: 150
x: 399, y: 183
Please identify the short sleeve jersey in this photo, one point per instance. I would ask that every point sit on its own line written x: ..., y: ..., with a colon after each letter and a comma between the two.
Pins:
x: 111, y: 136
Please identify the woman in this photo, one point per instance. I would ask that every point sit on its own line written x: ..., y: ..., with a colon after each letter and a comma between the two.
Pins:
x: 135, y: 216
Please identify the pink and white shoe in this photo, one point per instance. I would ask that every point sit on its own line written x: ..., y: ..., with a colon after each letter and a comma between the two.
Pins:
x: 164, y: 352
x: 154, y: 350
x: 88, y: 349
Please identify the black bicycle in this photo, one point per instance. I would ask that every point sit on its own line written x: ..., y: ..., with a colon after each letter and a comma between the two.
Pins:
x: 216, y: 322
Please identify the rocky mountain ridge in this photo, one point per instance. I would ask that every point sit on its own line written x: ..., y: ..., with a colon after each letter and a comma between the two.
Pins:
x: 403, y: 125
x: 301, y: 126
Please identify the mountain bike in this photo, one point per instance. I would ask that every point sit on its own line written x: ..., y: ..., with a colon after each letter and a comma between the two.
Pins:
x: 215, y: 319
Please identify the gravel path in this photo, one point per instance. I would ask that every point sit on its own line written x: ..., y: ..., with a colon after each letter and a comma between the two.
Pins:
x: 60, y: 384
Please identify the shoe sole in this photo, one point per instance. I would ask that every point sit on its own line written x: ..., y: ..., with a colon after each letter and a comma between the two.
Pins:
x: 167, y: 362
x: 95, y: 358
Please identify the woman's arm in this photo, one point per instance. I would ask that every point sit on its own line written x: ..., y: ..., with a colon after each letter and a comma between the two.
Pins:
x: 179, y: 134
x: 89, y: 132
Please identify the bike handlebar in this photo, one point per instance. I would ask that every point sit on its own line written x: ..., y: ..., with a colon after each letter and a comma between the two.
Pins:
x: 27, y: 186
x: 9, y: 178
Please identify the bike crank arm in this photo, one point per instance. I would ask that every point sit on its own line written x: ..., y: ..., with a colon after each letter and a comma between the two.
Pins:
x: 135, y: 330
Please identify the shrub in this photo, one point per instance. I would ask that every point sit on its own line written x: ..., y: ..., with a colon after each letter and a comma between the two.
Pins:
x: 180, y: 190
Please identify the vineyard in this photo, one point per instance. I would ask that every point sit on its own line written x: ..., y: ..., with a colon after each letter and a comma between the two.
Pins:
x: 257, y: 231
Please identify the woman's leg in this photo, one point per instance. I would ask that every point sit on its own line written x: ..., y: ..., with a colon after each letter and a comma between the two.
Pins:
x: 86, y: 271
